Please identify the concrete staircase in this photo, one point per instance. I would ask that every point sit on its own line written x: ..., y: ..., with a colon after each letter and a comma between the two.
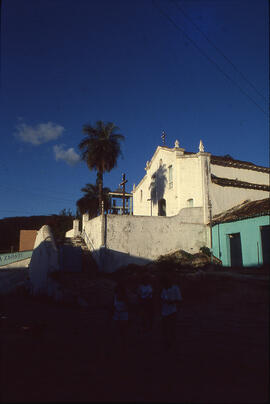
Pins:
x: 87, y: 262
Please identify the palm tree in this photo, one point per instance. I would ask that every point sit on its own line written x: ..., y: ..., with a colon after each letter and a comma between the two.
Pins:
x: 101, y: 149
x: 90, y: 202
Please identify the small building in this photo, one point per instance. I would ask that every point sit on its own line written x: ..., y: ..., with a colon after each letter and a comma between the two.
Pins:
x: 241, y: 235
x: 177, y: 179
x: 27, y: 239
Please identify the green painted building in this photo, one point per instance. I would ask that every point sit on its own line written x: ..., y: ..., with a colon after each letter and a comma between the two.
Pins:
x: 241, y: 235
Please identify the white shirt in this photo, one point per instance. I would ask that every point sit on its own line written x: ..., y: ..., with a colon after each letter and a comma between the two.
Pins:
x: 145, y: 291
x: 120, y: 310
x: 167, y: 295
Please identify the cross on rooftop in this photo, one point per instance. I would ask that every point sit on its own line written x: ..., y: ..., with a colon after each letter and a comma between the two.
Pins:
x: 163, y: 137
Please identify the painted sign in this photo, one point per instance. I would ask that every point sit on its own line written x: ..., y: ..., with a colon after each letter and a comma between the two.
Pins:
x: 6, y: 259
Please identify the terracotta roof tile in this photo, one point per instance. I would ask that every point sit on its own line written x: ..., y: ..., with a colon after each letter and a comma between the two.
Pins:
x: 228, y: 161
x: 229, y: 182
x: 244, y: 211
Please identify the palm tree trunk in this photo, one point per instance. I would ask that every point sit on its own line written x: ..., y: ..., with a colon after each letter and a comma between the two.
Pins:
x: 100, y: 188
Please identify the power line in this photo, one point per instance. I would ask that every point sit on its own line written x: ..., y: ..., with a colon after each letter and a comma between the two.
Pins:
x: 218, y: 50
x: 204, y: 54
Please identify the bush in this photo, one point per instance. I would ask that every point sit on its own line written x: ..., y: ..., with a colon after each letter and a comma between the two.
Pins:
x: 205, y: 250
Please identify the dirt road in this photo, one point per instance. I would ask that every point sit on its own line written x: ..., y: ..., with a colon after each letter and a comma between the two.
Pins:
x: 55, y: 353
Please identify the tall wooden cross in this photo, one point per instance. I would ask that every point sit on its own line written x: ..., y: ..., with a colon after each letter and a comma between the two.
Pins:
x: 123, y: 185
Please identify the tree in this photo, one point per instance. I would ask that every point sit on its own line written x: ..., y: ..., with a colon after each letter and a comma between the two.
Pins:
x: 90, y: 201
x: 101, y: 149
x: 66, y: 212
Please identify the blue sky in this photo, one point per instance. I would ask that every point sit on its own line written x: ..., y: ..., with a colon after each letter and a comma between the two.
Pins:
x: 145, y: 65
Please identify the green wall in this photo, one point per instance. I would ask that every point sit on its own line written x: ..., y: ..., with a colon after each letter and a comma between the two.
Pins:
x: 6, y: 259
x: 249, y: 230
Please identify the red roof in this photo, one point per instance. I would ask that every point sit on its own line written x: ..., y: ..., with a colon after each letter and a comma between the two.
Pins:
x: 243, y: 211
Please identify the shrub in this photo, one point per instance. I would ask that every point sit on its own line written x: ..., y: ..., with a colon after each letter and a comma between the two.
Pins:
x: 205, y: 250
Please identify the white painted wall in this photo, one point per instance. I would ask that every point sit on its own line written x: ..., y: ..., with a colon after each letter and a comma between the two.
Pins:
x: 85, y: 218
x: 44, y: 260
x: 186, y: 184
x: 74, y: 232
x: 255, y: 177
x: 93, y: 230
x: 70, y: 233
x: 189, y: 171
x: 192, y: 180
x: 140, y: 239
x: 224, y: 198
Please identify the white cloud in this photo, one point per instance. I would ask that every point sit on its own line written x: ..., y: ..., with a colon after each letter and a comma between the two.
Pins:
x: 42, y: 133
x: 68, y: 155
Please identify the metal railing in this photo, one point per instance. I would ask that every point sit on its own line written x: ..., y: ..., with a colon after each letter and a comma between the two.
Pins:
x: 89, y: 243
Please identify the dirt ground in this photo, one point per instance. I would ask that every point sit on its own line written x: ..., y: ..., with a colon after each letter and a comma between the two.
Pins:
x: 56, y: 353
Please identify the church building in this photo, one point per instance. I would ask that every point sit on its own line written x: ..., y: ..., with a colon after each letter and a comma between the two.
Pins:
x: 176, y: 179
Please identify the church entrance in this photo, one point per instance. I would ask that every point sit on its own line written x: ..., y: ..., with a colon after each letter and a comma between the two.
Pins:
x: 162, y: 207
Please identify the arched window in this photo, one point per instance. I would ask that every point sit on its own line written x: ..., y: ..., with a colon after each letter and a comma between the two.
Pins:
x: 190, y: 203
x: 141, y: 195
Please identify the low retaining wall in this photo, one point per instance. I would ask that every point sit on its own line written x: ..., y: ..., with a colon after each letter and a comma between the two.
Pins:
x: 12, y: 259
x: 140, y: 239
x: 74, y: 232
x: 23, y: 264
x: 44, y: 261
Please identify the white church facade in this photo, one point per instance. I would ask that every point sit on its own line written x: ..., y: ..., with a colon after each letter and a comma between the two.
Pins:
x: 172, y: 206
x: 176, y: 179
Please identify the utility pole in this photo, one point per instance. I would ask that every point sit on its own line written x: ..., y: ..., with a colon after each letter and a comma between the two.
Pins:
x: 210, y: 225
x: 150, y: 199
x: 123, y: 185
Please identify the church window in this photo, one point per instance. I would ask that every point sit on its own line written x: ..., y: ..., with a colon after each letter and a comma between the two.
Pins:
x: 170, y: 176
x: 141, y: 195
x: 190, y: 203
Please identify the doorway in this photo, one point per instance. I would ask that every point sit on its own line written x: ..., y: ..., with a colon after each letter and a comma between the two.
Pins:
x: 162, y: 207
x: 265, y: 237
x: 235, y: 250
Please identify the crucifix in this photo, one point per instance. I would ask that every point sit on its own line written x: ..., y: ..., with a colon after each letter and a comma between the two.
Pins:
x: 123, y: 185
x: 163, y: 137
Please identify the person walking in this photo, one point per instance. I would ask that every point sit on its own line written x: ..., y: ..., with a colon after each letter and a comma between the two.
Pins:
x: 120, y: 315
x: 170, y: 297
x: 145, y: 294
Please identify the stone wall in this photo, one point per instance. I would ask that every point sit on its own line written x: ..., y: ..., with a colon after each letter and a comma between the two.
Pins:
x: 140, y: 239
